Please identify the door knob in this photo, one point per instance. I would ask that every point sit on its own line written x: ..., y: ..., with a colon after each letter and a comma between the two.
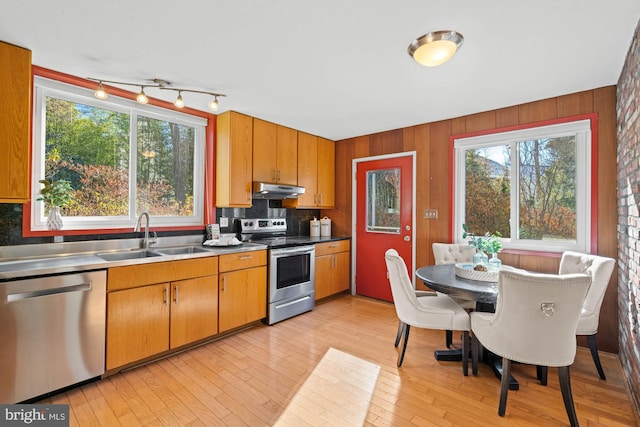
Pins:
x: 407, y: 227
x: 407, y: 238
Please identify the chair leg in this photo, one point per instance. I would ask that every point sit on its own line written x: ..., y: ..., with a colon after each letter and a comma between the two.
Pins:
x: 449, y: 338
x: 542, y: 372
x: 504, y: 385
x: 474, y: 354
x: 404, y: 344
x: 565, y: 387
x: 593, y: 346
x: 465, y: 353
x: 399, y: 334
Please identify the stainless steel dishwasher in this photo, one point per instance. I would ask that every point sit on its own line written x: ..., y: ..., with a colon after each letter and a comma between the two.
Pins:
x: 52, y: 333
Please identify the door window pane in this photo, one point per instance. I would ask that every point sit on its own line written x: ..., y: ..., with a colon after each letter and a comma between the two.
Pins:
x: 383, y: 200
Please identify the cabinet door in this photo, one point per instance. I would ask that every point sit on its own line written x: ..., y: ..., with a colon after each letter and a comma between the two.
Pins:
x: 341, y: 262
x: 194, y: 310
x: 242, y: 297
x: 264, y: 151
x: 307, y: 169
x: 323, y: 280
x: 137, y: 324
x: 326, y: 173
x: 287, y: 156
x: 234, y: 153
x: 15, y: 126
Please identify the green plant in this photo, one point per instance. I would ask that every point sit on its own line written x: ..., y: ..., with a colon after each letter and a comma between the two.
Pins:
x: 55, y: 193
x: 489, y: 242
x: 475, y: 241
x: 492, y: 244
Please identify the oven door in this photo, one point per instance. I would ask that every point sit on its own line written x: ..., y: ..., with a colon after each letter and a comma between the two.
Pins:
x: 291, y: 272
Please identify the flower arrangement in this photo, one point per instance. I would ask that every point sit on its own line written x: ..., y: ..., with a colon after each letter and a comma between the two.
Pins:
x: 489, y: 242
x: 55, y: 193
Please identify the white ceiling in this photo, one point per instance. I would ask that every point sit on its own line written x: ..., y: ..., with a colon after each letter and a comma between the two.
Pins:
x: 334, y: 68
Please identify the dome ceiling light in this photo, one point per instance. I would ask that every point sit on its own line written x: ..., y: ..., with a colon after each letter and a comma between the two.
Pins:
x: 435, y: 48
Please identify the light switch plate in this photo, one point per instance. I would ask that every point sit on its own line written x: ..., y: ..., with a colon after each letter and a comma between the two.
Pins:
x: 431, y: 214
x: 224, y: 221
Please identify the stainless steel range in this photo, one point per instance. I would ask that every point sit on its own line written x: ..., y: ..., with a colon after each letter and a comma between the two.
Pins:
x: 291, y: 267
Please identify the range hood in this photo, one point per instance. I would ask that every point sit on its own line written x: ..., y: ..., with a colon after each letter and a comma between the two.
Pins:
x: 265, y: 190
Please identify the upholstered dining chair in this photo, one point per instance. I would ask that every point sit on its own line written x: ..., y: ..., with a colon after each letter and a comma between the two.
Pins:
x: 600, y: 268
x: 435, y: 311
x: 534, y: 323
x: 452, y: 253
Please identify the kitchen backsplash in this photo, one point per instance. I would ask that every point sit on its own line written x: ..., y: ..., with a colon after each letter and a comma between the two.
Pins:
x: 297, y: 220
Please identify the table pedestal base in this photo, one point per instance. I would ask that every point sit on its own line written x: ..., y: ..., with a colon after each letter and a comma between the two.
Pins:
x: 494, y: 362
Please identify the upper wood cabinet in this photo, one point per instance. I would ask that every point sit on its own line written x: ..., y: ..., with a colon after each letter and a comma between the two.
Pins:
x: 234, y: 149
x: 316, y: 172
x: 15, y: 123
x: 275, y: 151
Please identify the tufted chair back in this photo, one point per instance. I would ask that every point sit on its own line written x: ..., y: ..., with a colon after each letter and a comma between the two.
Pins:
x: 451, y: 253
x: 600, y: 269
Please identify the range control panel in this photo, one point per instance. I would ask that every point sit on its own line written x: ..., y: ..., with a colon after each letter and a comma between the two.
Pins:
x: 259, y: 225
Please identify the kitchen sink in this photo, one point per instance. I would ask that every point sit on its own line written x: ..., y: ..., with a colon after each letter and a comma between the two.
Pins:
x: 125, y: 255
x: 180, y: 250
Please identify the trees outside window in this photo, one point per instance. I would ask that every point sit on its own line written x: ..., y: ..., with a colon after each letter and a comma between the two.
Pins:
x: 121, y: 159
x: 541, y: 200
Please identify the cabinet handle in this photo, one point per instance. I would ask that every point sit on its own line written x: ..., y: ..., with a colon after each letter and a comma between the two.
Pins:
x: 334, y: 245
x: 245, y: 257
x: 333, y: 261
x: 279, y: 175
x: 166, y: 295
x: 320, y: 199
x: 224, y: 284
x: 175, y: 294
x: 274, y: 175
x: 315, y: 199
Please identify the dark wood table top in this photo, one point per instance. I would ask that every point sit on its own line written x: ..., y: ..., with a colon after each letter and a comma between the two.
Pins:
x: 442, y: 278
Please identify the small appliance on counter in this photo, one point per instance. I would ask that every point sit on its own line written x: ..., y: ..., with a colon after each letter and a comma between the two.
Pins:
x: 325, y: 227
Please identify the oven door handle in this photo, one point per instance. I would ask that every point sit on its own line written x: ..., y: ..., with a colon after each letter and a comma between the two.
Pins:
x: 292, y: 251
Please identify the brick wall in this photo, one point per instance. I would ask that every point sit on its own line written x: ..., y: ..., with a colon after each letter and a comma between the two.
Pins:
x: 628, y: 177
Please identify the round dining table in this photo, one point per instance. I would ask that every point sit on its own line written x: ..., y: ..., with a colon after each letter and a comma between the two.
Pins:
x: 443, y: 278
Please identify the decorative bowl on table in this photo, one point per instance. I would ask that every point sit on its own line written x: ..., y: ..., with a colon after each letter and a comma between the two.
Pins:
x: 466, y: 271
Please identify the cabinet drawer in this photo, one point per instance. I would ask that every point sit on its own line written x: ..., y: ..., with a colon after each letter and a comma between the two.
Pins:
x: 198, y: 267
x: 241, y: 260
x: 332, y: 247
x: 132, y: 276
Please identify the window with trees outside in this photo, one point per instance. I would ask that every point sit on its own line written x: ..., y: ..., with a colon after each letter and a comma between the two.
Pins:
x: 120, y: 158
x: 531, y: 186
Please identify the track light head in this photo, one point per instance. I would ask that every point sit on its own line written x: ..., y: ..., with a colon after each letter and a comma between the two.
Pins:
x: 100, y: 93
x: 179, y: 103
x: 213, y: 105
x: 142, y: 97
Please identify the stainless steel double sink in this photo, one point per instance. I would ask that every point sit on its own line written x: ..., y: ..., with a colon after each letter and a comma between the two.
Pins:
x: 148, y: 253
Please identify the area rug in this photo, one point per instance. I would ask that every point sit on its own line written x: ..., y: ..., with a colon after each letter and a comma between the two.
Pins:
x: 337, y: 393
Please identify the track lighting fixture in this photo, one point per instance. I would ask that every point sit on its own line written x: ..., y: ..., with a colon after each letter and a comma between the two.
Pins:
x: 179, y: 103
x: 142, y: 97
x: 100, y: 93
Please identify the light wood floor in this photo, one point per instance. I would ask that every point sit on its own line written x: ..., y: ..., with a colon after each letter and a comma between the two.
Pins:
x: 251, y: 377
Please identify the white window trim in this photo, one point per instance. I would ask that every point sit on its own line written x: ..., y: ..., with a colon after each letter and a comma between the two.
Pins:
x: 582, y: 130
x: 44, y: 87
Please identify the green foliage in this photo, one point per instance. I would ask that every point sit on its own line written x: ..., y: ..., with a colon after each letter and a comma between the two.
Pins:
x: 489, y: 242
x: 55, y: 193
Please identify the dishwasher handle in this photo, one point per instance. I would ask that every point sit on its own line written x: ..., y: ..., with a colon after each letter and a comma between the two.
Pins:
x: 44, y: 292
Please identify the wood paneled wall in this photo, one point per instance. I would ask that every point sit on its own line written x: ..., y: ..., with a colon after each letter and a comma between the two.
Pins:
x: 432, y: 146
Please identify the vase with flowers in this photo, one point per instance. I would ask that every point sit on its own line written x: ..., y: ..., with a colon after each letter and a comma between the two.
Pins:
x: 493, y: 245
x: 55, y: 195
x: 480, y: 259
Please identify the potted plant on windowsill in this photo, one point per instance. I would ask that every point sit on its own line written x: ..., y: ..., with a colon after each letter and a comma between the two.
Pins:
x: 55, y: 195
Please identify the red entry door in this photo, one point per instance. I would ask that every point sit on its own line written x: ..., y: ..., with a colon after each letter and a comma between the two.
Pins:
x: 384, y: 212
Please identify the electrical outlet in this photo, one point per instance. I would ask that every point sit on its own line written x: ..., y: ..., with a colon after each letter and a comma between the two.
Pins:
x: 224, y: 221
x: 431, y: 214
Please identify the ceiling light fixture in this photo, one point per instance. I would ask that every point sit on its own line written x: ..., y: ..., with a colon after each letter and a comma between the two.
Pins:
x: 435, y: 48
x: 100, y: 93
x: 142, y: 97
x: 179, y: 101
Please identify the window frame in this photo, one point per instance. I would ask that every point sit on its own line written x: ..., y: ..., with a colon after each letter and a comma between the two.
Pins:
x: 44, y: 87
x: 585, y: 129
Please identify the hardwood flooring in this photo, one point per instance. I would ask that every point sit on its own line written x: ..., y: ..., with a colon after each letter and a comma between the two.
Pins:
x: 251, y: 378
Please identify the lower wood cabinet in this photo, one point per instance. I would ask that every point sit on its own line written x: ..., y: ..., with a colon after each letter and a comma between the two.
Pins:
x: 152, y: 318
x: 242, y: 289
x: 332, y: 268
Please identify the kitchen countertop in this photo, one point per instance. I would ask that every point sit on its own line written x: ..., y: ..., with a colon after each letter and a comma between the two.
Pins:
x: 24, y: 261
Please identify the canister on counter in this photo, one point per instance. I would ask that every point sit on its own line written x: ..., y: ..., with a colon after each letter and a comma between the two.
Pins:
x: 314, y: 227
x: 325, y: 227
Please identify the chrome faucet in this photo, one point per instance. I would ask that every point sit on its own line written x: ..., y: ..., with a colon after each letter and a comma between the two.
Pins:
x: 145, y: 243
